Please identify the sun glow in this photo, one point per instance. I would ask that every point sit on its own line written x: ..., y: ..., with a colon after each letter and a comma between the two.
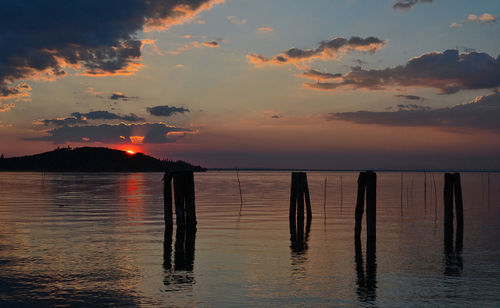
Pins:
x: 130, y: 152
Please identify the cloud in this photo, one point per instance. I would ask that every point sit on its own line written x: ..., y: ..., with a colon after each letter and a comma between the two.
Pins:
x: 122, y: 133
x: 408, y: 4
x: 96, y: 38
x: 61, y: 121
x: 482, y: 113
x: 6, y: 107
x: 106, y: 115
x: 410, y: 97
x: 265, y: 29
x: 213, y: 44
x: 327, y: 50
x: 165, y: 111
x: 485, y: 18
x: 448, y: 71
x: 82, y: 118
x: 120, y: 96
x: 235, y: 21
x: 95, y: 93
x: 19, y: 91
x: 197, y: 45
x: 317, y: 75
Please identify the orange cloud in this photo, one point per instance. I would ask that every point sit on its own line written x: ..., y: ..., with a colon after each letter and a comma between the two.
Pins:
x: 180, y: 14
x: 128, y: 70
x: 327, y: 50
x: 136, y: 139
x: 6, y: 107
x: 266, y: 29
x: 18, y: 92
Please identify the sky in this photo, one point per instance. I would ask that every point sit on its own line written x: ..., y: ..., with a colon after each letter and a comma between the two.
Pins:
x: 320, y: 84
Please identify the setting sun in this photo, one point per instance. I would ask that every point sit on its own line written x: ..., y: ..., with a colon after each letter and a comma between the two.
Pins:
x: 130, y: 152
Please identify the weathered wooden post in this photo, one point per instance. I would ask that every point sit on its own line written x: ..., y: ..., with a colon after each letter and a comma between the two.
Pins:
x: 448, y: 212
x: 299, y: 194
x: 185, y: 210
x: 452, y: 255
x: 360, y: 206
x: 167, y: 199
x: 459, y: 204
x: 367, y: 185
x: 180, y: 215
x: 371, y: 206
x: 453, y: 188
x: 189, y: 198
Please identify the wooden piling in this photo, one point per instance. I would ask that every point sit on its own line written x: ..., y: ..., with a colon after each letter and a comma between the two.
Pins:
x: 167, y: 199
x: 306, y: 195
x: 371, y: 205
x: 179, y: 191
x: 360, y: 204
x: 448, y: 211
x: 453, y: 188
x: 299, y: 196
x: 293, y: 198
x: 459, y: 206
x: 184, y: 198
x: 300, y: 210
x: 189, y: 199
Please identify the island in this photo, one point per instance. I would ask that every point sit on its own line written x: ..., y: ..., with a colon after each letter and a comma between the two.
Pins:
x: 93, y: 159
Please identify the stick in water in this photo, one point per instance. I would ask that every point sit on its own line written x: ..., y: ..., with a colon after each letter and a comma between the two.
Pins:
x: 324, y: 203
x: 239, y: 186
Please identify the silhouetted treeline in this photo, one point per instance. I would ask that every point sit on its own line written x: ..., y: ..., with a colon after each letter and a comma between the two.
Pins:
x: 93, y: 159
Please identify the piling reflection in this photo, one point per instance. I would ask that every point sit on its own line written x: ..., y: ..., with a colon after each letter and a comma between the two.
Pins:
x: 453, y: 261
x: 180, y: 273
x: 298, y: 240
x: 366, y: 280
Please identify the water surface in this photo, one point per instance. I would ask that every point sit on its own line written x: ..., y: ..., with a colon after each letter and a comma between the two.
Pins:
x: 77, y: 239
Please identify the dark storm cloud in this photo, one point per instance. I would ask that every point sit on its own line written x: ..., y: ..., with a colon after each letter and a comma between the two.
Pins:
x: 329, y: 49
x: 448, y: 71
x: 165, y: 111
x: 43, y: 38
x: 410, y: 97
x: 106, y: 133
x: 408, y: 4
x: 482, y: 113
x: 120, y: 96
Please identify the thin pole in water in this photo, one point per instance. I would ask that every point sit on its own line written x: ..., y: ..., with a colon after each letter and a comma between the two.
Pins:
x: 435, y: 198
x: 341, y: 194
x: 488, y: 190
x: 239, y: 186
x: 425, y: 192
x: 324, y: 203
x: 402, y: 194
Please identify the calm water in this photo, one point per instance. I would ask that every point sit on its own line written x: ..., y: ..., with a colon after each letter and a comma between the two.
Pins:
x: 80, y: 239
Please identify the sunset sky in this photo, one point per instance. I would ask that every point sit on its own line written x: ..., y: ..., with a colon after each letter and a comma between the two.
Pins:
x: 329, y: 84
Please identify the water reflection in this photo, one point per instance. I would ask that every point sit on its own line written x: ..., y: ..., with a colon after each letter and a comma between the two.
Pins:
x: 181, y: 274
x: 453, y: 262
x: 366, y: 280
x: 298, y: 242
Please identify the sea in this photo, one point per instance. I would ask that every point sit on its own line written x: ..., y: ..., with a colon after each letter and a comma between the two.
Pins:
x: 99, y: 240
